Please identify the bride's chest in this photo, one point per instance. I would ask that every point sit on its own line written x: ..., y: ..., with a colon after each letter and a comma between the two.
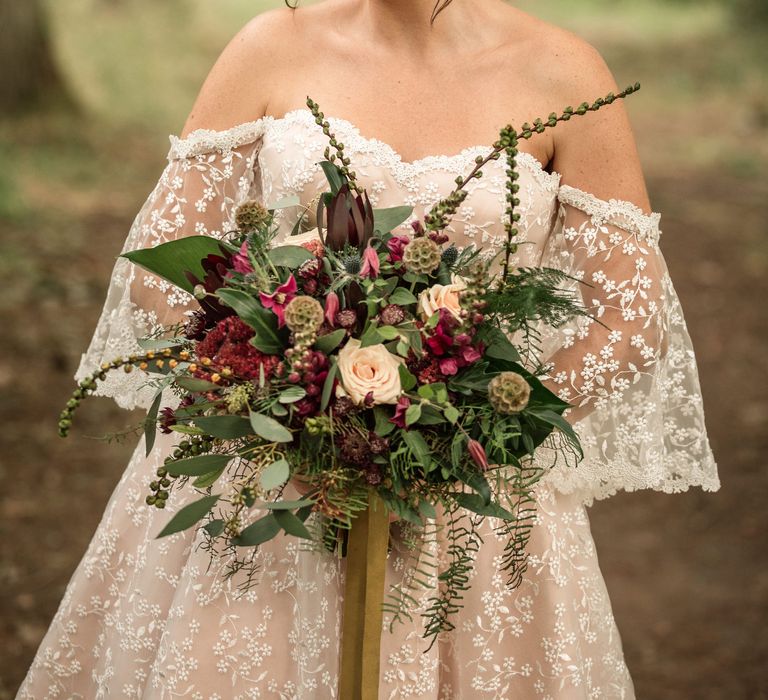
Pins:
x: 294, y: 145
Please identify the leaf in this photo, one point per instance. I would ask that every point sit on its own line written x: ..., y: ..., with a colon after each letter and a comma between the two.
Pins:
x: 329, y: 342
x: 276, y: 474
x: 292, y: 200
x: 197, y: 466
x: 500, y: 348
x: 334, y: 176
x: 189, y: 515
x: 195, y: 385
x: 290, y: 256
x: 263, y: 321
x: 171, y: 260
x: 292, y: 524
x: 388, y: 332
x: 475, y: 503
x: 451, y: 414
x: 427, y: 509
x: 263, y: 530
x: 157, y: 343
x: 292, y: 394
x: 402, y: 297
x: 206, y: 480
x: 370, y: 337
x: 187, y: 430
x: 214, y: 528
x: 226, y: 427
x: 383, y: 426
x: 407, y: 380
x: 412, y: 413
x: 555, y: 419
x: 269, y: 429
x: 418, y: 447
x: 328, y: 386
x: 385, y: 220
x: 279, y: 410
x: 150, y: 422
x: 477, y: 482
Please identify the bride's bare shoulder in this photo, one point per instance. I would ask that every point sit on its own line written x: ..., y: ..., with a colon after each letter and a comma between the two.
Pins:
x: 239, y: 85
x: 567, y: 65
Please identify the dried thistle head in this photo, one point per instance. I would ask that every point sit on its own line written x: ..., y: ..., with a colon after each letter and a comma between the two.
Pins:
x: 509, y: 392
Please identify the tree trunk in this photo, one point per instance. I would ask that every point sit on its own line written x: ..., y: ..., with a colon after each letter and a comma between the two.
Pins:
x: 29, y: 76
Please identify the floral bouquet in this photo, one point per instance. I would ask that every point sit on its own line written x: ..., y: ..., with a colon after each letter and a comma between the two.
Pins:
x: 375, y: 371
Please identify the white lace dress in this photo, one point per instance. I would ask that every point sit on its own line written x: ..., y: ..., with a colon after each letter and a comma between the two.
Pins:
x: 147, y: 618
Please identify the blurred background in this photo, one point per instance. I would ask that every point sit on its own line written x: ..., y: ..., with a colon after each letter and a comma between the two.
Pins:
x: 89, y: 91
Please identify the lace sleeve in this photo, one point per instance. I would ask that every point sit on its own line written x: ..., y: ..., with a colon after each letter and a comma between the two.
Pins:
x: 630, y: 370
x: 208, y: 175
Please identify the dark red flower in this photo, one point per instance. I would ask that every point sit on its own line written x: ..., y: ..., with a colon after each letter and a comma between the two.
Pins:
x: 396, y: 246
x: 227, y: 346
x: 402, y: 406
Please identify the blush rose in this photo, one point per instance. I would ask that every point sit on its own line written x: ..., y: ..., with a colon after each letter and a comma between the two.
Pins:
x: 372, y: 370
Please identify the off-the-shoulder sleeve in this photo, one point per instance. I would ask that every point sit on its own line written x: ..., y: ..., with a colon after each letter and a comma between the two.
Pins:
x: 629, y: 370
x: 208, y: 175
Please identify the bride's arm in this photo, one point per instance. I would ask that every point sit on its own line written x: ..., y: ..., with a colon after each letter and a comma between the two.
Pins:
x: 608, y: 237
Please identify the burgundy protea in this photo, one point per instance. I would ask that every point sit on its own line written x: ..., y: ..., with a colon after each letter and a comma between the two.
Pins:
x: 349, y: 220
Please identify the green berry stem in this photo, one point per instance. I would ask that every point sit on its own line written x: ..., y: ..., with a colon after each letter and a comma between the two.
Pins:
x: 441, y: 213
x: 88, y: 385
x: 338, y: 146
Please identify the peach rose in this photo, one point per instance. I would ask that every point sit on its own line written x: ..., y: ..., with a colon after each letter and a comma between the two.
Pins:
x: 372, y: 369
x: 442, y: 296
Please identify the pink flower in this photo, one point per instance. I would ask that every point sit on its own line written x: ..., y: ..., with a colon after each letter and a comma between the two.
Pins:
x: 402, y: 406
x: 331, y: 308
x: 470, y: 354
x: 449, y: 366
x: 278, y: 300
x: 477, y: 452
x: 370, y: 266
x: 396, y: 246
x: 240, y: 261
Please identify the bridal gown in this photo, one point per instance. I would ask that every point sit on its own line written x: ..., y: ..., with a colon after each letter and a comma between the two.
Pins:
x: 147, y: 618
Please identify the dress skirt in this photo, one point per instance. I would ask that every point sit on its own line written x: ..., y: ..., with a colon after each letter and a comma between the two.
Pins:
x: 155, y: 619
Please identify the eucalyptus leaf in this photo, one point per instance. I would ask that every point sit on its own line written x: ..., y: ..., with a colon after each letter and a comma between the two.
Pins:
x: 197, y: 466
x: 476, y: 503
x: 205, y: 480
x: 292, y: 394
x: 325, y: 398
x: 276, y: 474
x: 402, y: 297
x: 189, y: 515
x: 226, y: 427
x: 292, y: 524
x: 150, y: 423
x: 214, y: 528
x: 289, y: 505
x: 269, y: 429
x: 257, y: 533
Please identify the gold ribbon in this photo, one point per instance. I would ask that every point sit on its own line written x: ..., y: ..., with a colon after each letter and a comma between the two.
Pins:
x: 363, y: 597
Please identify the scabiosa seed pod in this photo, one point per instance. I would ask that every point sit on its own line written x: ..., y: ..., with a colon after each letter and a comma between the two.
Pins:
x: 346, y: 318
x: 421, y: 256
x: 392, y: 315
x: 250, y: 216
x: 304, y: 314
x: 509, y: 392
x: 450, y: 255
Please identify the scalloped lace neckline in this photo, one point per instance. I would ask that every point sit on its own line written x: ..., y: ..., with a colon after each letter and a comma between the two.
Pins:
x: 395, y: 159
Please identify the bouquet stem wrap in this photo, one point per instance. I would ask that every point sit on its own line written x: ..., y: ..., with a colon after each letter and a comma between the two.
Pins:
x: 363, y: 596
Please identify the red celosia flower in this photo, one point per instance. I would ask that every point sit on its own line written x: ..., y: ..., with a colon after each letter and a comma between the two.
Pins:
x: 227, y: 346
x: 278, y: 300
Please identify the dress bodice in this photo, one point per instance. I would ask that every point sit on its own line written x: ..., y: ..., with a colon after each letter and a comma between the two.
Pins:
x: 293, y: 145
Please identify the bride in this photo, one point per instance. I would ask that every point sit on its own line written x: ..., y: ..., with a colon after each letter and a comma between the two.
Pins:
x: 415, y: 91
